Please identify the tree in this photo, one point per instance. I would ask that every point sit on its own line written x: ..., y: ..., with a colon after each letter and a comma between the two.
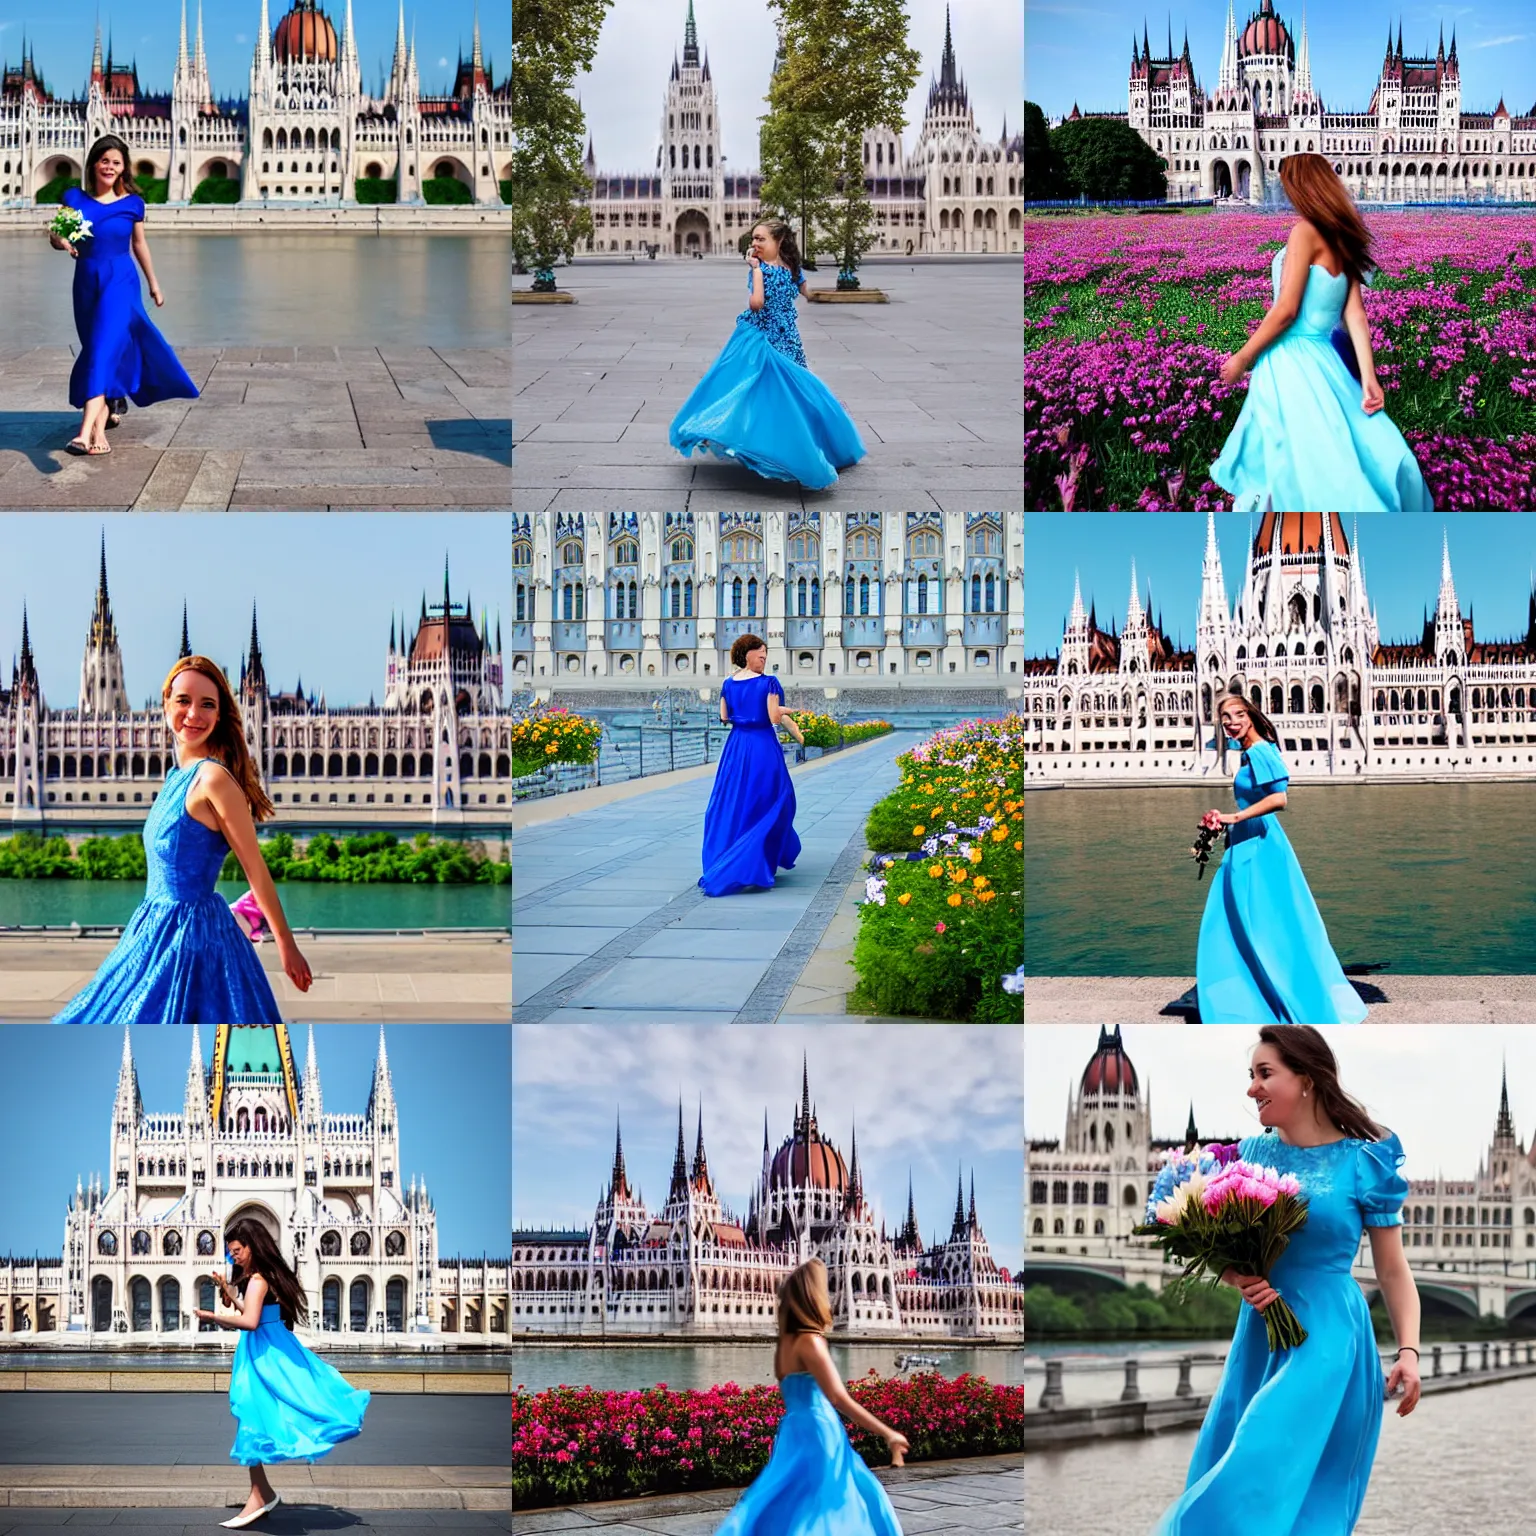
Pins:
x: 1107, y: 161
x: 553, y: 42
x: 1045, y: 173
x: 797, y: 177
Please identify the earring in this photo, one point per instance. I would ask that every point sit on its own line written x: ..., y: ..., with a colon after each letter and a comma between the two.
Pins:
x: 1303, y: 1093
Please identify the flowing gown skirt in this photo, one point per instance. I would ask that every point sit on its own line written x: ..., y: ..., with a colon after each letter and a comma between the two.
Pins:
x: 756, y: 407
x: 749, y: 825
x: 121, y: 350
x: 291, y: 1405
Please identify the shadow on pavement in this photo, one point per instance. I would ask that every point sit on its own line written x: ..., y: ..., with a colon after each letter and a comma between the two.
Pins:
x: 491, y: 438
x: 41, y: 435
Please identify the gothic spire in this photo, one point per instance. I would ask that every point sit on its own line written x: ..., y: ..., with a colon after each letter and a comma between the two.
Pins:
x: 1506, y: 1124
x: 971, y: 1214
x: 618, y: 1182
x: 678, y: 1190
x: 186, y: 645
x: 312, y: 1110
x: 690, y: 40
x: 700, y: 1163
x: 958, y: 1225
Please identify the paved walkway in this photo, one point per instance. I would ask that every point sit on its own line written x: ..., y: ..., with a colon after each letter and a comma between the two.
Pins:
x: 288, y: 1519
x: 610, y: 925
x: 931, y: 379
x: 285, y: 427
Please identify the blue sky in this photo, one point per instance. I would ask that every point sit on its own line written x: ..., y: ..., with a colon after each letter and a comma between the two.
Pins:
x: 324, y: 584
x: 1492, y: 556
x: 451, y: 1091
x: 148, y: 31
x: 1081, y: 52
x: 924, y: 1098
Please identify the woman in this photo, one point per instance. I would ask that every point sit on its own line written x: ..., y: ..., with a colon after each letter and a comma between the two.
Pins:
x: 183, y: 958
x: 749, y: 824
x: 815, y: 1483
x: 121, y: 352
x: 1310, y: 438
x: 1288, y: 1441
x: 1264, y: 955
x: 759, y: 404
x: 290, y: 1405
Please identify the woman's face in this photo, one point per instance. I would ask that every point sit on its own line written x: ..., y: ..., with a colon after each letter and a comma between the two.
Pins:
x: 765, y: 248
x: 758, y: 659
x: 239, y: 1252
x: 1236, y: 721
x: 107, y: 169
x: 192, y: 709
x: 1275, y: 1089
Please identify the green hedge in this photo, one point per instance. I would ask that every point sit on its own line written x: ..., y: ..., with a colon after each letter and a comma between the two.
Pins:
x: 217, y: 189
x: 506, y: 190
x: 443, y: 190
x: 377, y: 858
x: 376, y: 189
x: 53, y: 191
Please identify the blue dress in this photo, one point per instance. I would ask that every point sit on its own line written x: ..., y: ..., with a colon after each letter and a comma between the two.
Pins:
x: 1264, y: 955
x: 182, y: 958
x: 1288, y: 1441
x: 290, y: 1404
x: 121, y: 351
x: 749, y: 824
x: 815, y: 1483
x: 760, y: 405
x: 1302, y: 442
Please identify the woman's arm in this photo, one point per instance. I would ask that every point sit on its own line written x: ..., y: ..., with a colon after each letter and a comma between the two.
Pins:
x: 1299, y: 251
x: 778, y: 715
x: 1265, y: 807
x: 1401, y: 1296
x: 757, y: 300
x: 725, y: 714
x: 250, y: 1316
x: 820, y: 1365
x: 1371, y: 397
x: 140, y: 248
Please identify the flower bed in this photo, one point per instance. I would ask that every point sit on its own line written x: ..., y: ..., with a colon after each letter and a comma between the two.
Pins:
x: 825, y: 732
x: 576, y: 1443
x: 553, y: 735
x: 937, y: 934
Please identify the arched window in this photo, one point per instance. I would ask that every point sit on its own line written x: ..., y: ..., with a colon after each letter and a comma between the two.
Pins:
x: 330, y: 1245
x: 688, y: 598
x: 976, y: 592
x: 922, y: 594
x: 752, y: 598
x: 360, y: 1244
x: 676, y: 591
x: 358, y: 1308
x: 736, y: 597
x: 394, y: 1306
x: 330, y: 1306
x: 863, y: 594
x: 815, y: 597
x: 800, y: 596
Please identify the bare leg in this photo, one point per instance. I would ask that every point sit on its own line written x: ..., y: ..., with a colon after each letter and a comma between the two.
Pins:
x: 93, y: 427
x: 261, y: 1491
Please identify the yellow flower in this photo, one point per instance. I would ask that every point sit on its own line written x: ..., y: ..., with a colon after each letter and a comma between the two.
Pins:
x: 935, y: 870
x: 954, y: 898
x: 974, y: 855
x: 959, y: 876
x: 551, y: 748
x: 980, y: 882
x: 999, y: 833
x: 986, y: 895
x: 918, y: 830
x: 904, y: 898
x: 1018, y: 847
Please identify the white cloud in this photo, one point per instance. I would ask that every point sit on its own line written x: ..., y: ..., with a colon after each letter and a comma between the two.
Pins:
x: 442, y: 63
x: 1499, y: 42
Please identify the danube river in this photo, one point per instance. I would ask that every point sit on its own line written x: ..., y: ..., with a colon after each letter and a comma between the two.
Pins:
x: 301, y: 288
x: 1437, y: 879
x: 1459, y: 1465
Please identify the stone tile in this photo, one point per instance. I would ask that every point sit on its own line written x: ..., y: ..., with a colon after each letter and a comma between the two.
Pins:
x: 642, y: 984
x: 556, y: 939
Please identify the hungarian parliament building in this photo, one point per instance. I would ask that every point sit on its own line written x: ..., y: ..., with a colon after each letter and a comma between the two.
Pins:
x: 1302, y: 642
x: 305, y: 133
x: 253, y: 1141
x: 957, y: 191
x: 839, y: 597
x: 696, y: 1268
x: 438, y: 749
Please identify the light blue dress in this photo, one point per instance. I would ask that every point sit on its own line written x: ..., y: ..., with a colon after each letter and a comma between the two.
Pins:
x: 1302, y: 443
x: 290, y: 1404
x: 1288, y: 1441
x: 815, y: 1483
x: 1264, y: 955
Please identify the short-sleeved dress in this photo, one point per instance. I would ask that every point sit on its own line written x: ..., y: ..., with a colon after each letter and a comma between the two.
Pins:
x: 1264, y: 955
x: 121, y: 350
x: 1288, y: 1441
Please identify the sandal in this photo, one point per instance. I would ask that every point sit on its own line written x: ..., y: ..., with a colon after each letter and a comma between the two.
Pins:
x: 114, y: 420
x: 95, y: 450
x: 77, y: 445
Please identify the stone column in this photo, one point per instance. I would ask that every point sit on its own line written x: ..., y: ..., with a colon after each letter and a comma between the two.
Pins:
x: 893, y: 571
x: 952, y: 571
x: 832, y: 652
x: 597, y: 662
x: 706, y: 596
x: 540, y: 580
x: 652, y: 662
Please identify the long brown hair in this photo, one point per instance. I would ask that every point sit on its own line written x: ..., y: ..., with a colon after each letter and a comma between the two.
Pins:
x: 226, y: 741
x: 1303, y: 1049
x: 1319, y: 196
x: 789, y: 247
x: 804, y: 1304
x: 1261, y: 722
x: 125, y: 181
x: 283, y: 1286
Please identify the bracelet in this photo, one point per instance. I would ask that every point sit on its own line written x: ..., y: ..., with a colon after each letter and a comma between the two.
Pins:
x: 1413, y: 1347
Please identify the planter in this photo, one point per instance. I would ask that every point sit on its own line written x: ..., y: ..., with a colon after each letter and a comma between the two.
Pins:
x: 846, y: 296
x: 524, y: 296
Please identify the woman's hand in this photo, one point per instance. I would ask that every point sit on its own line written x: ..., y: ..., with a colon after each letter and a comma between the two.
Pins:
x: 1233, y: 368
x: 899, y: 1445
x: 59, y: 243
x: 1405, y: 1376
x: 1226, y: 818
x: 1257, y: 1291
x: 295, y: 966
x: 752, y: 261
x: 157, y: 295
x: 1371, y: 397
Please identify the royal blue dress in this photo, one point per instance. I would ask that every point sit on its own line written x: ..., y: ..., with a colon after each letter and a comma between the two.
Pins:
x: 291, y: 1405
x: 815, y: 1483
x: 760, y: 405
x: 1288, y: 1441
x: 121, y: 351
x: 182, y: 958
x: 1264, y: 955
x: 749, y: 824
x: 1302, y: 443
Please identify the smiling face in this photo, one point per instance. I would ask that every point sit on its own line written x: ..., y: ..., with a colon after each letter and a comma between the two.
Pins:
x: 192, y: 711
x: 764, y: 246
x: 107, y: 169
x: 1276, y: 1090
x: 1235, y: 720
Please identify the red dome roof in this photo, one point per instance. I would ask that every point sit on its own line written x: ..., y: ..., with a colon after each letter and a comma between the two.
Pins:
x: 811, y: 1161
x: 1110, y: 1071
x: 304, y: 33
x: 1300, y: 531
x: 1265, y: 33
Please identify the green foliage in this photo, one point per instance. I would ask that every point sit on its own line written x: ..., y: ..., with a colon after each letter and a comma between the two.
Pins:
x: 376, y: 189
x: 798, y: 177
x: 506, y: 190
x: 1045, y: 173
x: 217, y: 189
x: 111, y: 858
x: 53, y: 191
x: 1106, y: 161
x: 443, y: 190
x: 1136, y: 1312
x: 153, y: 189
x: 28, y: 856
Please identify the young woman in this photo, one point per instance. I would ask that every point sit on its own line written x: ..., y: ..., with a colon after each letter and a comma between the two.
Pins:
x: 1310, y: 438
x: 1288, y: 1441
x: 183, y: 958
x: 290, y: 1405
x: 759, y: 404
x: 121, y: 352
x: 1264, y: 955
x: 749, y: 824
x: 815, y: 1482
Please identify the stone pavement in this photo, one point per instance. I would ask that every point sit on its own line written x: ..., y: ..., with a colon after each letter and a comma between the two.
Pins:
x: 931, y: 379
x: 609, y: 924
x: 933, y: 1498
x: 276, y: 426
x: 285, y: 1520
x: 390, y: 979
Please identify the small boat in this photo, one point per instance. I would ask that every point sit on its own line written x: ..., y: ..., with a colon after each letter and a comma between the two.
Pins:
x: 911, y: 1362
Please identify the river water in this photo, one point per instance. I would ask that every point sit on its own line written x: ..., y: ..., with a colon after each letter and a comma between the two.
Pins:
x: 1459, y: 1465
x: 1427, y: 876
x: 304, y: 287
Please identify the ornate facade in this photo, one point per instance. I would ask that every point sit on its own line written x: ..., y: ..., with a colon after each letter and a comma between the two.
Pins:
x: 695, y: 1267
x: 306, y: 131
x: 253, y: 1140
x: 439, y: 748
x: 956, y: 191
x: 1302, y: 641
x: 856, y: 596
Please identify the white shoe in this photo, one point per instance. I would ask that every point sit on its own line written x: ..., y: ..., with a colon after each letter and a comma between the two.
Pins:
x: 255, y: 1514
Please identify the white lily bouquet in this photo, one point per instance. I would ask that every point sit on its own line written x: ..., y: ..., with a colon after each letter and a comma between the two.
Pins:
x: 71, y: 225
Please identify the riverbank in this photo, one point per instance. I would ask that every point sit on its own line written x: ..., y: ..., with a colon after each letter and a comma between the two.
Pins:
x: 242, y: 218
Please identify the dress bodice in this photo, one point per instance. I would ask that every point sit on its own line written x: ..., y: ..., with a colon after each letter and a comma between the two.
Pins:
x: 802, y: 1395
x: 746, y: 700
x: 776, y: 319
x: 111, y: 223
x: 1322, y: 301
x: 1262, y: 772
x: 184, y: 856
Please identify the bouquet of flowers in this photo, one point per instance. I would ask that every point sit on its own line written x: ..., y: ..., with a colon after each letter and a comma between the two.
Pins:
x: 71, y: 225
x: 1205, y: 837
x: 1213, y: 1212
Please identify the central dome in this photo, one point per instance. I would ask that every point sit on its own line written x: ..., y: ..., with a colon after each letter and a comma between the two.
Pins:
x: 305, y: 33
x: 1300, y: 532
x: 1265, y: 33
x: 1110, y: 1070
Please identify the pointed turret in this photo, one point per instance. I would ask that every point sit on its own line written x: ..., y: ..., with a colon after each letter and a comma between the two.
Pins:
x: 1449, y: 635
x: 1504, y: 1130
x: 700, y: 1171
x: 690, y: 41
x: 911, y: 1236
x: 97, y: 72
x: 129, y: 1105
x: 618, y: 1180
x: 1191, y: 1134
x: 381, y: 1097
x: 957, y: 1226
x: 970, y: 1215
x: 677, y: 1191
x: 186, y: 645
x: 312, y: 1103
